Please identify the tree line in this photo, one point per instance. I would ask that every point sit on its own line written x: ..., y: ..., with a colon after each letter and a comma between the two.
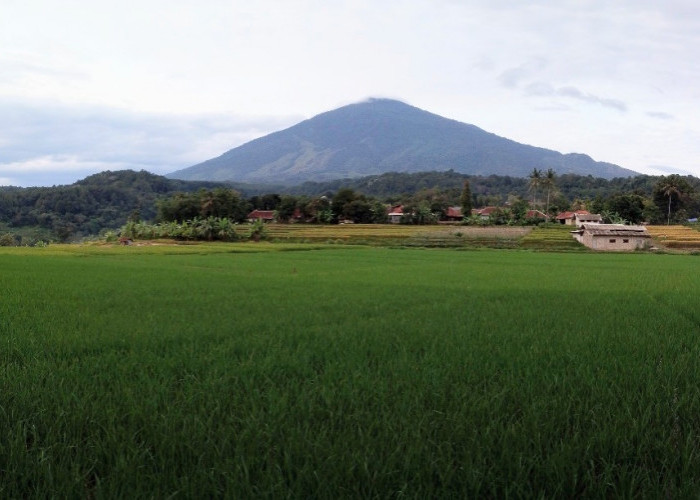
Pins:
x: 108, y: 200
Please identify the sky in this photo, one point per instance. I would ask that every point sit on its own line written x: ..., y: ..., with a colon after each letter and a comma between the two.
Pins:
x: 160, y: 85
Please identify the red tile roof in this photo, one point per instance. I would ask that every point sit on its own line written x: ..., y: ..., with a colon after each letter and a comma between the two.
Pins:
x: 262, y: 214
x: 487, y: 210
x: 570, y: 215
x: 453, y: 212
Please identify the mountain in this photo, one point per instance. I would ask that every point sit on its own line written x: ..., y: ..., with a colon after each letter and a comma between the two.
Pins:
x: 383, y: 135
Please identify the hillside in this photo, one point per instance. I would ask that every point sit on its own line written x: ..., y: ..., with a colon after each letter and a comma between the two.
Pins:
x: 99, y: 201
x: 395, y: 184
x: 382, y: 135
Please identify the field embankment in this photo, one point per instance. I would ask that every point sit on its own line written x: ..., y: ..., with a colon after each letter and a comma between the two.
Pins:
x: 358, y: 372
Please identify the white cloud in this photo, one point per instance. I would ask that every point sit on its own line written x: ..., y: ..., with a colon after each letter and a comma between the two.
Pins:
x: 55, y: 163
x: 660, y: 115
x: 168, y: 84
x: 49, y: 139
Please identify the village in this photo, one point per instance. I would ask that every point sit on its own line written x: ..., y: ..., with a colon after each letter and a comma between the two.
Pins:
x: 587, y: 228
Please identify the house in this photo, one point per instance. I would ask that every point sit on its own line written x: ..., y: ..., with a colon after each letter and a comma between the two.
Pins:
x: 536, y: 214
x: 485, y: 213
x: 453, y: 214
x: 568, y: 218
x: 612, y: 237
x: 394, y: 214
x: 262, y: 215
x: 580, y: 219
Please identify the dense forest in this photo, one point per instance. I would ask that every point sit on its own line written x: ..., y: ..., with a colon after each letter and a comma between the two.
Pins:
x: 106, y: 201
x: 101, y: 201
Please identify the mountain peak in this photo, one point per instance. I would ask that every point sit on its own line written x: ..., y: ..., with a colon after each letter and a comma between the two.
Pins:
x: 380, y: 135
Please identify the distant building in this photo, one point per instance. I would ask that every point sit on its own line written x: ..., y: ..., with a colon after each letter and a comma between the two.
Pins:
x: 612, y: 237
x: 485, y: 213
x: 581, y: 219
x: 394, y: 214
x: 568, y: 218
x: 453, y: 214
x: 263, y: 215
x: 536, y: 214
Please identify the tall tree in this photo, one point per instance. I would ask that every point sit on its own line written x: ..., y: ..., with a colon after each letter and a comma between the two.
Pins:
x: 549, y: 183
x: 672, y: 189
x: 466, y: 199
x: 534, y: 184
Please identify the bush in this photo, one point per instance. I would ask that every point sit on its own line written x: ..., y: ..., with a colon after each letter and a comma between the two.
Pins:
x: 210, y: 229
x: 7, y: 240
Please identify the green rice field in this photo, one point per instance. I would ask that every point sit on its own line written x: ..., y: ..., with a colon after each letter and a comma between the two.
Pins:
x: 277, y: 371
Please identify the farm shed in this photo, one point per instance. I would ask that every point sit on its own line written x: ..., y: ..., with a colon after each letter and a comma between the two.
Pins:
x: 612, y: 237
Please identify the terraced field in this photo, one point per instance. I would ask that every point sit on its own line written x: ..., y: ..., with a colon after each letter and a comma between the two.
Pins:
x: 404, y: 235
x: 677, y: 237
x: 554, y: 237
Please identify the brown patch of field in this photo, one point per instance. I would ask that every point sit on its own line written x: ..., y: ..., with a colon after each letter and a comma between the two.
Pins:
x: 676, y: 237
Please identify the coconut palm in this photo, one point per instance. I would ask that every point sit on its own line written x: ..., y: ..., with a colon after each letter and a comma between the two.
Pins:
x: 670, y: 190
x: 535, y: 183
x: 549, y: 183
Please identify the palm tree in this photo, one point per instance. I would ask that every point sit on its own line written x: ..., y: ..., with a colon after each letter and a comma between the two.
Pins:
x: 549, y: 183
x: 673, y: 190
x: 535, y: 183
x: 669, y: 190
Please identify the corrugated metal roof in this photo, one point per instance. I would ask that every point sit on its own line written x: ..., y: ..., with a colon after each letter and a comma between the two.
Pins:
x: 615, y: 230
x: 588, y: 217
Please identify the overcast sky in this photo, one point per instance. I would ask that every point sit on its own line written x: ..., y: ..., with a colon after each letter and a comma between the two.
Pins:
x: 161, y: 85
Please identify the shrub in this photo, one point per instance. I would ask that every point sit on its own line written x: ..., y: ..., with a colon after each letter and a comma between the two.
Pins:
x: 7, y: 240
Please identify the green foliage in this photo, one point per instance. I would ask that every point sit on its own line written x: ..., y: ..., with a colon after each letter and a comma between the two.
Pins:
x: 7, y: 240
x: 420, y: 213
x: 108, y: 200
x: 286, y: 208
x: 549, y: 184
x: 257, y: 231
x: 534, y: 184
x: 629, y: 207
x: 673, y: 192
x: 349, y: 205
x: 610, y: 217
x: 220, y: 203
x: 369, y: 377
x: 98, y: 202
x: 208, y: 229
x: 567, y: 190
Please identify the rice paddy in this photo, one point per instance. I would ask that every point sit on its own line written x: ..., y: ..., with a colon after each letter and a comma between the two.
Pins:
x: 403, y: 235
x: 676, y: 237
x: 242, y: 371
